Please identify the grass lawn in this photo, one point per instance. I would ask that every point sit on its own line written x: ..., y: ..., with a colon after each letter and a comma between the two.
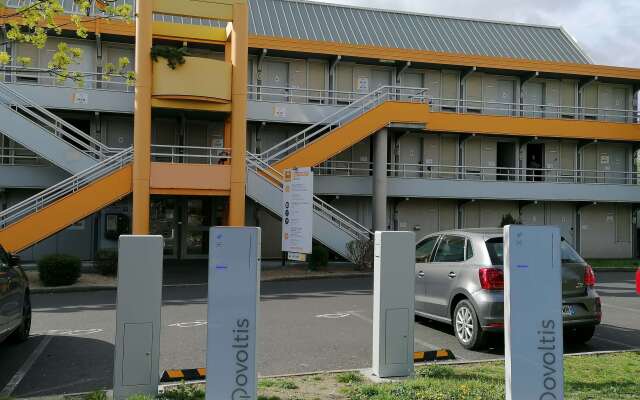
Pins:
x: 630, y: 263
x: 589, y: 377
x: 604, y: 377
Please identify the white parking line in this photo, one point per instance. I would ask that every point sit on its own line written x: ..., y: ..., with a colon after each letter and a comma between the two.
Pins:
x: 613, y: 342
x: 20, y: 374
x: 621, y: 308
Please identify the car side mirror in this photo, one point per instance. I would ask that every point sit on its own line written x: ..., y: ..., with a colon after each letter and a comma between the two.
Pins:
x: 14, y: 261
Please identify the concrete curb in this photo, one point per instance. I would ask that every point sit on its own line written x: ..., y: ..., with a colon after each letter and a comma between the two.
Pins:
x: 72, y: 289
x: 96, y: 288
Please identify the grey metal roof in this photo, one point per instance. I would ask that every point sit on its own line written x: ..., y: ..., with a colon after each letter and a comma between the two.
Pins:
x: 309, y: 20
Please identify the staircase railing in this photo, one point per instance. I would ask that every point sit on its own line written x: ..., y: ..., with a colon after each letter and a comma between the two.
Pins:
x: 321, y: 207
x: 344, y: 115
x: 53, y: 124
x: 66, y: 187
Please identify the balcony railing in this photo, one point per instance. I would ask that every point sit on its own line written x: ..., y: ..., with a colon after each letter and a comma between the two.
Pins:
x: 45, y: 77
x: 479, y: 173
x: 279, y: 94
x: 19, y: 156
x: 189, y: 154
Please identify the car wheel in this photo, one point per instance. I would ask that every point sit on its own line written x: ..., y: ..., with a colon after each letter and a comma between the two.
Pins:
x: 467, y: 327
x: 22, y: 333
x: 583, y: 334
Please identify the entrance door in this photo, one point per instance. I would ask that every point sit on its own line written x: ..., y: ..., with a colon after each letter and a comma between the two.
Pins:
x: 195, y: 228
x: 533, y: 100
x: 535, y: 161
x: 276, y: 76
x: 505, y: 97
x: 506, y: 161
x: 164, y: 221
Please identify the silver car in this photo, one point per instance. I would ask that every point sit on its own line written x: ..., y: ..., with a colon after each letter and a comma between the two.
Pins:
x: 459, y: 281
x: 15, y: 302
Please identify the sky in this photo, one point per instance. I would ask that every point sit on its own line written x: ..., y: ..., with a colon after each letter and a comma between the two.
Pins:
x: 608, y: 30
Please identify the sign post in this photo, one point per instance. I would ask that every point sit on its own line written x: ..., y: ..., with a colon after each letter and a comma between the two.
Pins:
x: 532, y: 315
x: 234, y: 287
x: 297, y: 213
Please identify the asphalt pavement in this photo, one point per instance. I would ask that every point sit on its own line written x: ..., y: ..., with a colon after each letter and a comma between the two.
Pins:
x: 305, y: 326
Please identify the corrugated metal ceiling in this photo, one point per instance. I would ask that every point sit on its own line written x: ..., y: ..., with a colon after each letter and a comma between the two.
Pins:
x: 307, y: 20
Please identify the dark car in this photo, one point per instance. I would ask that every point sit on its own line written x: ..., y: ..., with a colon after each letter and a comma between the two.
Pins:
x: 15, y: 302
x: 459, y: 281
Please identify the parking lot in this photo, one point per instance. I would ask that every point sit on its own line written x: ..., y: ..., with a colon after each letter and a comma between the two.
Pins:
x: 305, y: 326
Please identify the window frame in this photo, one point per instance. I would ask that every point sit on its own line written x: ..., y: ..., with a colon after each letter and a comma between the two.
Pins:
x: 442, y: 237
x: 428, y: 258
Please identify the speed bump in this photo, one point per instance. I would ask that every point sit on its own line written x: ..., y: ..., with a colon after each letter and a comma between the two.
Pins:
x: 436, y: 355
x: 179, y: 375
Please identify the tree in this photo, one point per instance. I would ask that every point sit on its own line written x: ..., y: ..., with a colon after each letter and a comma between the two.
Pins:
x: 35, y: 22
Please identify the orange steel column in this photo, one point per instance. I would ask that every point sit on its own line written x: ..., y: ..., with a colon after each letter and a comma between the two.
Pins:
x: 239, y: 60
x: 142, y: 118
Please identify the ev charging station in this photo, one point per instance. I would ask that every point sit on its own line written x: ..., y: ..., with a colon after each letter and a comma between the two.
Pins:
x: 234, y: 290
x: 137, y: 342
x: 532, y: 315
x: 393, y: 304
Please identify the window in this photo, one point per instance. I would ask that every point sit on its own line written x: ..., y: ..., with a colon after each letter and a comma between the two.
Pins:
x: 451, y: 249
x: 469, y: 250
x: 424, y: 248
x: 495, y: 247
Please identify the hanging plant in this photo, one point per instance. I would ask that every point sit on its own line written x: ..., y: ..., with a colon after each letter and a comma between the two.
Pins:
x: 175, y: 56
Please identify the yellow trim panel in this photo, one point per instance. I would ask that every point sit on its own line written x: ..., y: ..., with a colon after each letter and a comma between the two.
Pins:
x: 198, y: 79
x: 67, y: 211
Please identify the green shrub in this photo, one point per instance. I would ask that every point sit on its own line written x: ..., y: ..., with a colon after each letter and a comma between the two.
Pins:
x: 361, y: 253
x: 59, y: 270
x: 183, y: 392
x: 319, y: 258
x: 107, y: 262
x: 349, y: 378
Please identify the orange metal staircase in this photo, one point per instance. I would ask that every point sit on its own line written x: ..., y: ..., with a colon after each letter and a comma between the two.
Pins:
x: 66, y: 203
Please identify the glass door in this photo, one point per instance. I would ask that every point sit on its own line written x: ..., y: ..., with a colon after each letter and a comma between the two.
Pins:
x: 197, y: 221
x: 164, y: 222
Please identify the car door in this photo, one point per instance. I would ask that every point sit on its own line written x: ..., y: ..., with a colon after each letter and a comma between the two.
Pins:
x: 10, y: 296
x: 423, y: 252
x: 4, y: 294
x: 442, y: 272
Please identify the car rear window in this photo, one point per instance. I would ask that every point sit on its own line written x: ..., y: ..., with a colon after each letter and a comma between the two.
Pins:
x: 495, y: 248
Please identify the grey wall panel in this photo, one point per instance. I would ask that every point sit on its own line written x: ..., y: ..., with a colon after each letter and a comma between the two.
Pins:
x: 69, y: 98
x: 598, y: 233
x: 469, y: 189
x: 288, y: 112
x: 30, y: 177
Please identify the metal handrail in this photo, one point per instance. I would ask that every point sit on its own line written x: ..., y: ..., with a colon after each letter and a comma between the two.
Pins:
x: 529, y: 110
x: 283, y: 94
x: 53, y: 124
x: 484, y: 173
x: 342, y: 116
x: 45, y: 77
x: 324, y: 209
x: 68, y: 186
x: 187, y: 154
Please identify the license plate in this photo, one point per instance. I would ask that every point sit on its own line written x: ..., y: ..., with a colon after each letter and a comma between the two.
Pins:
x: 568, y: 310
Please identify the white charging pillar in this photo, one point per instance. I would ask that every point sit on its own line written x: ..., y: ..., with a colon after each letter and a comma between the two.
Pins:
x: 533, y: 313
x: 393, y: 304
x: 234, y: 290
x: 137, y: 348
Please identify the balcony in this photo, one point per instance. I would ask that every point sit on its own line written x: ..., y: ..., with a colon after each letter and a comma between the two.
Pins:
x: 476, y: 182
x: 92, y: 94
x: 190, y: 170
x: 288, y: 104
x: 198, y: 84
